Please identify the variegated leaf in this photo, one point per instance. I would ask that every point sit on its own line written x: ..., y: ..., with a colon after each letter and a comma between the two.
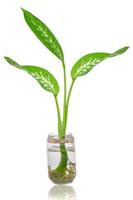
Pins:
x: 43, y: 76
x: 44, y: 34
x: 87, y: 62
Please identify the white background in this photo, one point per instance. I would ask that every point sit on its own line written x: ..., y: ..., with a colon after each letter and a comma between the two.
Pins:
x: 101, y: 108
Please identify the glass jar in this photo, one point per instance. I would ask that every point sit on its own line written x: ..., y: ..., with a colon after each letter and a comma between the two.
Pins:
x: 61, y: 159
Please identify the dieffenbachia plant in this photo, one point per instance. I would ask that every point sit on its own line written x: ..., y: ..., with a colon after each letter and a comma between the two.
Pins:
x: 48, y: 81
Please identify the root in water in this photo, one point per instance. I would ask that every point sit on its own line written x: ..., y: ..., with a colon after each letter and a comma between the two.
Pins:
x: 64, y: 177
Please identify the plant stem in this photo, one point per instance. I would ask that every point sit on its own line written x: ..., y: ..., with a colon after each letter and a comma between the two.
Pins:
x: 62, y: 125
x: 64, y: 105
x: 59, y: 118
x: 67, y: 102
x: 69, y: 94
x: 62, y: 129
x: 61, y: 169
x: 64, y: 157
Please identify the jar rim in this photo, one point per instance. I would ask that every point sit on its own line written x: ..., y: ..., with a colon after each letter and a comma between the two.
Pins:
x: 52, y: 138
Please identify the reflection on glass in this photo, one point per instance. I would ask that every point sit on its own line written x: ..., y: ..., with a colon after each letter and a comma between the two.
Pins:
x: 62, y: 192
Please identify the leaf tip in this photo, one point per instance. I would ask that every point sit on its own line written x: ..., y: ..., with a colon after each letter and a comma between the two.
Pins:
x: 12, y: 62
x: 22, y: 9
x: 126, y: 48
x: 6, y: 58
x: 120, y: 51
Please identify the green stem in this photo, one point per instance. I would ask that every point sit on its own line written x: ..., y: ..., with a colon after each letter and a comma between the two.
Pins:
x: 59, y: 118
x: 62, y: 126
x: 62, y: 129
x: 64, y: 106
x: 67, y: 102
x: 64, y: 157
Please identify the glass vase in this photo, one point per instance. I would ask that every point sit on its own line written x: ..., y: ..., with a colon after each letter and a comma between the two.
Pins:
x: 61, y: 159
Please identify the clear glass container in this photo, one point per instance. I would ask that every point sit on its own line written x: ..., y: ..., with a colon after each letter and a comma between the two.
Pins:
x: 61, y: 159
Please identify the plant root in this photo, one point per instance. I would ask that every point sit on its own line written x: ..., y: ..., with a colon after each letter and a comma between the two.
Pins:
x: 64, y: 177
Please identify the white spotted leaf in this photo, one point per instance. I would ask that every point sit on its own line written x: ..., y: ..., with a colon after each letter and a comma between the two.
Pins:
x: 44, y: 34
x: 87, y: 62
x: 43, y: 76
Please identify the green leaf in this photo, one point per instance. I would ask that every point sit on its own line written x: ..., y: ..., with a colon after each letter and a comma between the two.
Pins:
x: 44, y: 34
x: 87, y: 62
x: 120, y: 51
x: 43, y: 76
x: 12, y: 62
